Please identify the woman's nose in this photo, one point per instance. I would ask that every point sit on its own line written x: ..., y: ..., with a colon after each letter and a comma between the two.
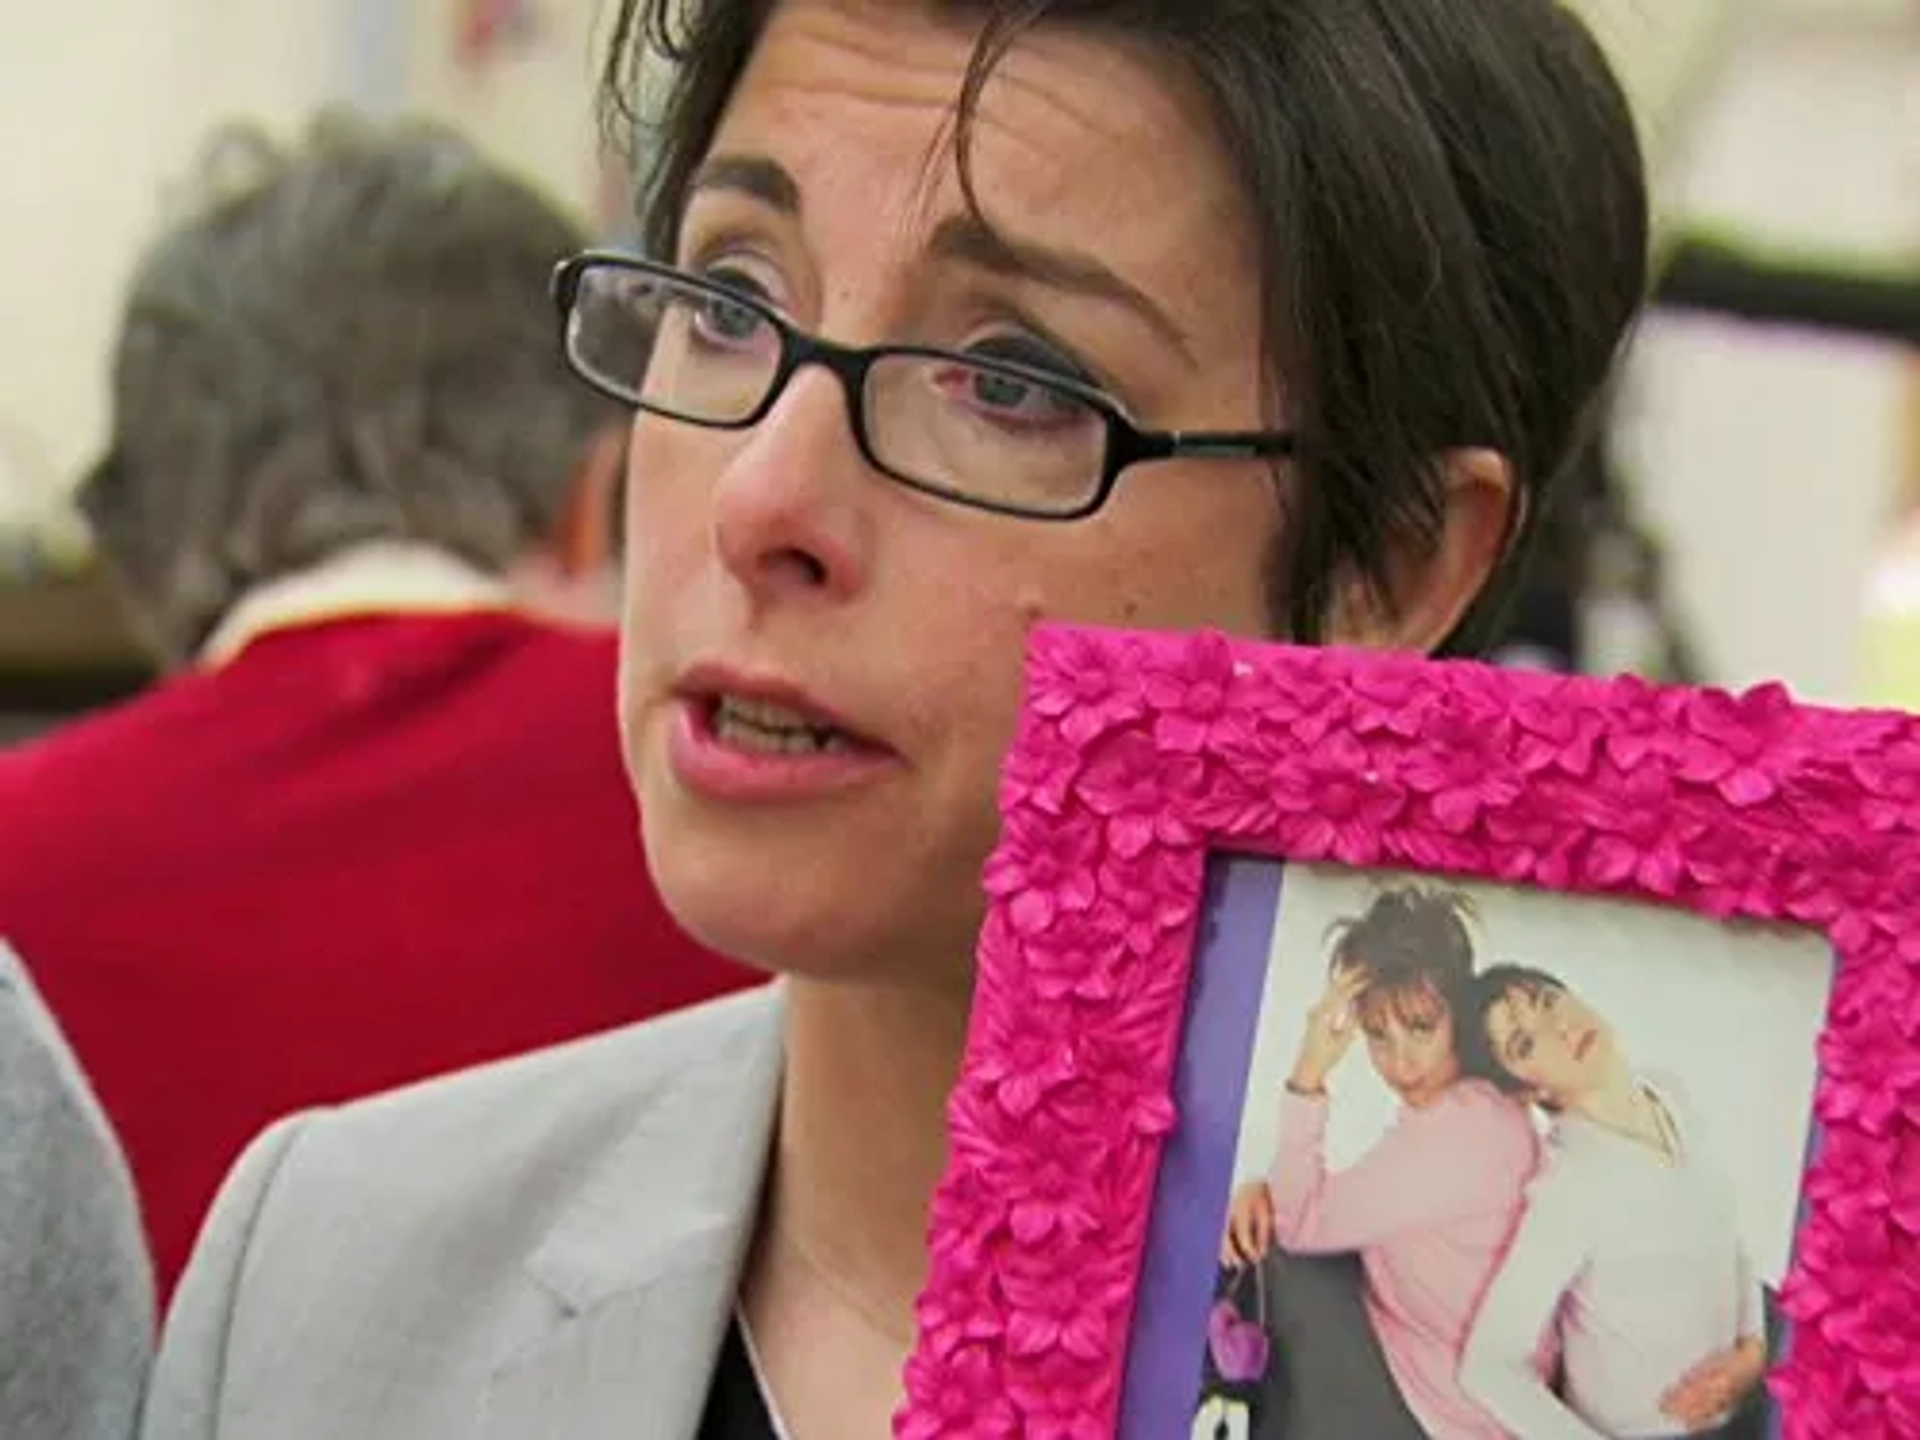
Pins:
x: 790, y: 510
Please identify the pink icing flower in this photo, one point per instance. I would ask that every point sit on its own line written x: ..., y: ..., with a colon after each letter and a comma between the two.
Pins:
x: 1636, y: 835
x: 1254, y: 751
x: 1124, y: 1101
x: 1042, y: 871
x: 1189, y: 697
x: 1053, y: 1205
x: 1552, y: 732
x: 1652, y: 866
x: 1448, y: 854
x: 1140, y: 792
x: 1083, y: 960
x: 965, y: 1228
x: 1077, y: 1318
x: 1853, y: 1169
x: 1330, y: 801
x: 1879, y: 1332
x: 1531, y: 842
x: 1637, y: 733
x: 1889, y: 785
x: 1867, y: 1083
x: 1042, y: 769
x: 1150, y: 897
x: 1232, y: 805
x: 1746, y: 746
x: 1391, y: 698
x: 1020, y: 1068
x: 1724, y: 861
x: 1074, y: 680
x: 1462, y: 768
x: 961, y: 1396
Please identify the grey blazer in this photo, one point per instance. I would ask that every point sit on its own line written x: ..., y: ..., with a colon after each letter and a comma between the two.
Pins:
x: 541, y: 1249
x: 76, y: 1289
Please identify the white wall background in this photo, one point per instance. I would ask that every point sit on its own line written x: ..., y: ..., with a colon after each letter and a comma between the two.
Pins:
x: 532, y: 106
x: 101, y: 101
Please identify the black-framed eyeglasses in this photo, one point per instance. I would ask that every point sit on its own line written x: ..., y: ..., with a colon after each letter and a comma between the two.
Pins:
x: 968, y: 427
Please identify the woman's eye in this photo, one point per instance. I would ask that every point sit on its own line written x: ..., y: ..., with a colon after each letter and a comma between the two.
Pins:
x: 1033, y: 355
x: 722, y: 321
x: 1002, y: 392
x: 729, y: 320
x: 1015, y: 400
x: 1019, y: 400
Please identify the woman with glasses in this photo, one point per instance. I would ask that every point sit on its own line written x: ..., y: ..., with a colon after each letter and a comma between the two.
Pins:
x: 1276, y: 316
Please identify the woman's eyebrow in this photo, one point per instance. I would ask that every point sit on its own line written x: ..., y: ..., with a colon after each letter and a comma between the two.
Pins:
x: 758, y: 177
x: 964, y: 239
x: 967, y: 240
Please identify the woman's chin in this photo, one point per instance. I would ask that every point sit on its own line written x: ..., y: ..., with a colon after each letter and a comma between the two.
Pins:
x: 755, y: 905
x: 824, y: 917
x: 829, y: 892
x: 726, y: 911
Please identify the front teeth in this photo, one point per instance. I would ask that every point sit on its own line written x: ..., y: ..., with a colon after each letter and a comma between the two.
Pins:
x: 764, y: 713
x: 772, y: 729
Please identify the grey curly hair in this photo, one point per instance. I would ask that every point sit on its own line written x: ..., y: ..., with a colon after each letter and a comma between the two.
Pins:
x: 350, y: 341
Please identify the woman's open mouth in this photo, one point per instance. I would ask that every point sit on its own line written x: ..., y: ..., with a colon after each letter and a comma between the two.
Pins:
x: 751, y: 743
x: 761, y: 725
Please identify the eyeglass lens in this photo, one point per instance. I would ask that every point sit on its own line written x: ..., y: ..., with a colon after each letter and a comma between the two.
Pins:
x: 972, y: 430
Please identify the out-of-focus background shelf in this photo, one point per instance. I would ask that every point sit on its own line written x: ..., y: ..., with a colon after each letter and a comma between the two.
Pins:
x: 64, y: 647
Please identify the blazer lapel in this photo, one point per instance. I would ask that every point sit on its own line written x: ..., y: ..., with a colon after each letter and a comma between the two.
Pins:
x: 645, y: 1261
x: 635, y: 1367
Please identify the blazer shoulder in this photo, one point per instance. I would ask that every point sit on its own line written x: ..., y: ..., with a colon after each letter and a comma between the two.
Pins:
x: 485, y: 1161
x: 449, y: 1218
x: 486, y: 1117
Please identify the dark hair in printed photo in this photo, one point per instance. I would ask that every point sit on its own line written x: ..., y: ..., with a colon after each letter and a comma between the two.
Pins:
x: 1476, y: 1000
x: 1413, y: 945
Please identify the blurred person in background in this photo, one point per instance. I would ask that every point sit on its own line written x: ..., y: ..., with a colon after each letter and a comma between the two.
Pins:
x: 76, y: 1293
x: 373, y: 826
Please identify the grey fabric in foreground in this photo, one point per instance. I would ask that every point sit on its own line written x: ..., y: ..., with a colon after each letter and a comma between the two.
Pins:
x: 76, y: 1288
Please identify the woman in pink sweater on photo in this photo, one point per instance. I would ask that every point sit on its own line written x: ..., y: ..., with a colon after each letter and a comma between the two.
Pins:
x: 1428, y: 1212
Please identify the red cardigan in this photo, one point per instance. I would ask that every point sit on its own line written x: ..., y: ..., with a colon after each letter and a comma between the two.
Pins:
x: 363, y: 852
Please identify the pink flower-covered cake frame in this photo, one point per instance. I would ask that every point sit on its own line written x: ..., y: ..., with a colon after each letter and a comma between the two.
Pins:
x: 1140, y: 755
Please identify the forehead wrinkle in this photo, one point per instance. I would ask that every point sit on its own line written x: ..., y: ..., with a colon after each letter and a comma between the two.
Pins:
x: 1028, y: 70
x: 907, y: 69
x: 913, y: 76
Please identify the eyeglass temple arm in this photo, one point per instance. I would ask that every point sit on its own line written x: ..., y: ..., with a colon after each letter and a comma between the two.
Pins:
x: 1207, y: 445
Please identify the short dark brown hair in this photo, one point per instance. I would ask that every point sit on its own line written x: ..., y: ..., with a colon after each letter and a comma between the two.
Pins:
x: 1453, y: 233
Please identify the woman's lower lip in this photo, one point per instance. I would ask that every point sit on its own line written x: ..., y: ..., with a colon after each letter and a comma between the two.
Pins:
x: 708, y: 765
